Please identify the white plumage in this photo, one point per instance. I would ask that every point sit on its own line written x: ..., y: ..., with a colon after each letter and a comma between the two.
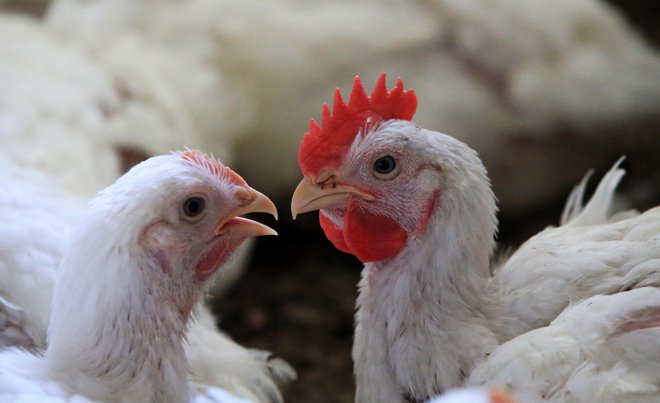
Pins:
x: 430, y: 311
x: 40, y: 218
x: 604, y: 349
x: 54, y: 103
x: 592, y: 252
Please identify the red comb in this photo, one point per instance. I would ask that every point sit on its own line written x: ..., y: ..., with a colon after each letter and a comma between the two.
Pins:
x: 208, y: 162
x: 324, y: 146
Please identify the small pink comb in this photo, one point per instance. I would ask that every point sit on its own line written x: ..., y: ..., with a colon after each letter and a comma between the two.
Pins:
x: 196, y: 157
x: 325, y: 145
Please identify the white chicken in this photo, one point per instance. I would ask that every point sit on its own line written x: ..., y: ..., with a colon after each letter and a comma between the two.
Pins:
x: 72, y: 110
x: 32, y: 204
x: 416, y: 207
x: 546, y: 83
x: 38, y: 74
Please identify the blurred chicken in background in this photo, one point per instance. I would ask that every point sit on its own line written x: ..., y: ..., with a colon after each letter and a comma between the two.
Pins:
x: 529, y: 85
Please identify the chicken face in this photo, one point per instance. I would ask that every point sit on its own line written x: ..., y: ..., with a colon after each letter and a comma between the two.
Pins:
x: 205, y: 229
x: 366, y: 169
x: 382, y: 193
x: 379, y: 180
x: 191, y: 224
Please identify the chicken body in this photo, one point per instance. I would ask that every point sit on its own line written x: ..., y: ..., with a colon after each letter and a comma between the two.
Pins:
x: 604, y: 349
x: 108, y: 295
x: 416, y: 207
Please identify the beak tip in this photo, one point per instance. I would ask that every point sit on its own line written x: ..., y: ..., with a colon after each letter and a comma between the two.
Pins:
x: 269, y: 232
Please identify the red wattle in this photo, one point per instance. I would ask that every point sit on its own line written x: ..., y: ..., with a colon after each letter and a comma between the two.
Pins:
x: 369, y: 237
x: 372, y: 237
x: 333, y: 233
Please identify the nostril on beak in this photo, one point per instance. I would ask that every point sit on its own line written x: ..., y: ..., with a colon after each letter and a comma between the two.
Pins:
x: 245, y: 196
x: 326, y: 179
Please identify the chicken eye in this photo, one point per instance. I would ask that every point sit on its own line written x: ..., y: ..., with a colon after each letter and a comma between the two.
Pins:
x: 194, y: 206
x: 385, y: 167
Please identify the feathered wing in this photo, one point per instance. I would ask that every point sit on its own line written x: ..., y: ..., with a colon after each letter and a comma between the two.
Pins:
x: 605, y: 349
x: 592, y: 252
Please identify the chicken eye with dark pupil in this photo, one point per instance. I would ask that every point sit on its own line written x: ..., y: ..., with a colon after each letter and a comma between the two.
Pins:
x: 385, y: 165
x: 194, y: 206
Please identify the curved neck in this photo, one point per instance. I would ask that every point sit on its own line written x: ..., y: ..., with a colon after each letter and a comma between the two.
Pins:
x: 115, y: 331
x: 425, y: 317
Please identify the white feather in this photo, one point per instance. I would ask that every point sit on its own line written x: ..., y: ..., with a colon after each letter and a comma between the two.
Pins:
x: 605, y: 349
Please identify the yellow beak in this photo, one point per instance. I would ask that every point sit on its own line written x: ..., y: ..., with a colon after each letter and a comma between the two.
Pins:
x: 310, y: 196
x: 250, y: 201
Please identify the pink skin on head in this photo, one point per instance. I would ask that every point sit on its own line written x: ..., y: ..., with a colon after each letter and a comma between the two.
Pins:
x: 220, y: 251
x: 210, y: 263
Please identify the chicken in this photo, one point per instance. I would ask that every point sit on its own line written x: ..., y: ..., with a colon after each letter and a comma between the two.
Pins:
x: 29, y: 267
x: 64, y: 138
x: 550, y: 85
x: 74, y: 112
x: 416, y: 207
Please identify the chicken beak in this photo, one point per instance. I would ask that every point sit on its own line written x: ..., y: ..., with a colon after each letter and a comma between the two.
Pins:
x: 249, y: 201
x: 310, y: 196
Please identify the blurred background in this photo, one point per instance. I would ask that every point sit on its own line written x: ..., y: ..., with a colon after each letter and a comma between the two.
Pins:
x: 543, y: 90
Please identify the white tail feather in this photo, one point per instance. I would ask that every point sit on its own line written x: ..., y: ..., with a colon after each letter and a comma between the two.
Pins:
x: 597, y: 210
